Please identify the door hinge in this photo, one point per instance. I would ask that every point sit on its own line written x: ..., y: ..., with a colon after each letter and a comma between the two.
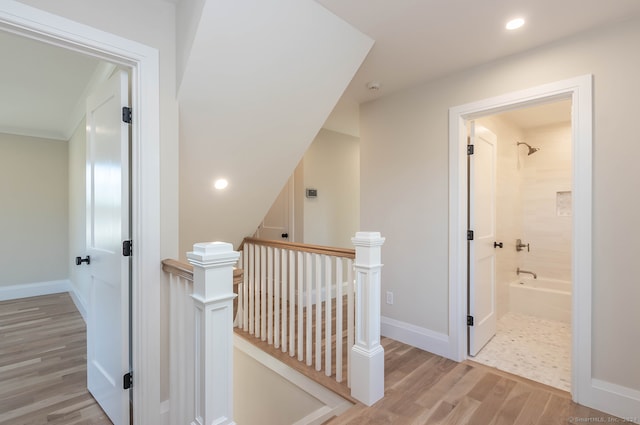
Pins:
x: 127, y: 381
x: 126, y: 114
x: 469, y: 235
x: 127, y: 248
x: 469, y: 320
x: 469, y: 149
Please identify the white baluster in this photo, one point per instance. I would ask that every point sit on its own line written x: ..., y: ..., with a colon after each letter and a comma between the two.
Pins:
x: 237, y: 320
x: 276, y: 297
x: 339, y: 319
x: 301, y: 286
x: 350, y: 317
x: 328, y: 315
x: 318, y: 300
x: 292, y: 293
x: 285, y: 289
x: 263, y: 293
x: 309, y: 315
x: 251, y: 271
x: 367, y: 355
x: 245, y: 288
x: 213, y: 300
x: 270, y: 294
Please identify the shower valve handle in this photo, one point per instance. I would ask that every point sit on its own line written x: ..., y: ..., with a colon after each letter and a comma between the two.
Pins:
x: 520, y: 246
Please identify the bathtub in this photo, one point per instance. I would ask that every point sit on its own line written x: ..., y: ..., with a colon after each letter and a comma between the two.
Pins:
x: 548, y: 299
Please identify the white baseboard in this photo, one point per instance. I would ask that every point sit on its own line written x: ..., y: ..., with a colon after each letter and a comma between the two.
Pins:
x: 79, y: 301
x: 164, y: 412
x: 423, y: 338
x: 36, y: 289
x: 614, y: 399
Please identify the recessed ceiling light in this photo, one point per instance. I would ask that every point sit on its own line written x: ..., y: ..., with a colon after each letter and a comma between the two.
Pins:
x: 514, y: 24
x: 221, y: 184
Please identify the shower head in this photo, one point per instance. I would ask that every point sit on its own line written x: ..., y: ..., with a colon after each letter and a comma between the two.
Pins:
x: 531, y: 150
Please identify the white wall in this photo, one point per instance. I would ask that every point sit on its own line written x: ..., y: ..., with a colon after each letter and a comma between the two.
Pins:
x: 332, y: 166
x: 254, y: 403
x: 404, y: 178
x: 150, y: 22
x: 34, y: 212
x: 545, y: 173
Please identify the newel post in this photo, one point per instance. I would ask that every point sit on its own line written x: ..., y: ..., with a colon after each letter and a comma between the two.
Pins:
x: 367, y: 355
x: 213, y: 299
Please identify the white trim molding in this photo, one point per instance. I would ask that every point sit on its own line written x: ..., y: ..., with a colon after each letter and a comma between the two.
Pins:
x: 608, y: 397
x: 143, y: 64
x: 423, y: 338
x: 35, y: 289
x: 579, y: 90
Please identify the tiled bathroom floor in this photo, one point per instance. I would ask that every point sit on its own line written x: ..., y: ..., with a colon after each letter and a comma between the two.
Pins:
x: 533, y: 348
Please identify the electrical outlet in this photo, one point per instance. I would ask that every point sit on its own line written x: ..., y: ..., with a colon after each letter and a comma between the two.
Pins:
x: 389, y: 297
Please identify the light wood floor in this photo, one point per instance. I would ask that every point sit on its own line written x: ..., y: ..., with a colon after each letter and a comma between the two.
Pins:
x: 43, y: 364
x: 423, y: 388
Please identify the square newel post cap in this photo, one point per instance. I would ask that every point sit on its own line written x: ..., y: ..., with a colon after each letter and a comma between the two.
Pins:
x: 367, y: 239
x: 213, y: 254
x: 367, y: 246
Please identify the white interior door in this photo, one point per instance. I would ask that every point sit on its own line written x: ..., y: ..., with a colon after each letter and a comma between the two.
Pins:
x: 482, y: 253
x: 107, y: 227
x: 276, y: 224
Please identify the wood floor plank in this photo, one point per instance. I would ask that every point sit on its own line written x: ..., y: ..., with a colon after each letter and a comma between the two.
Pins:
x: 43, y: 364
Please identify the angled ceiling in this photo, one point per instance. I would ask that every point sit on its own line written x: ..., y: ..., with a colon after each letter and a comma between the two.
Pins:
x: 42, y: 86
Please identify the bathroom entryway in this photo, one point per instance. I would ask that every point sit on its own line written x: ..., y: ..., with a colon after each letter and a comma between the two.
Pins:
x: 526, y: 282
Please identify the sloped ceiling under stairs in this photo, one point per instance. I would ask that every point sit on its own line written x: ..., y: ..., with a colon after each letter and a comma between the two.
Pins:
x: 259, y: 79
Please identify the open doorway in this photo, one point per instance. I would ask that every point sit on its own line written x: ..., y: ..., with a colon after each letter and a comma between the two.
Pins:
x: 579, y: 91
x: 62, y: 130
x: 531, y: 265
x: 142, y: 61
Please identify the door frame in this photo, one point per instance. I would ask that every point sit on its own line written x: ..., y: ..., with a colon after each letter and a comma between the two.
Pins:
x: 579, y: 90
x: 143, y: 65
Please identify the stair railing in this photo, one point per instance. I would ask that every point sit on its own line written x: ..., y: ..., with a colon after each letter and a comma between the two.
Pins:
x: 319, y: 304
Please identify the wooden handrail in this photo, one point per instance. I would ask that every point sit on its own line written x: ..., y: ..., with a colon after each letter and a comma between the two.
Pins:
x: 178, y: 268
x: 315, y: 249
x: 185, y: 270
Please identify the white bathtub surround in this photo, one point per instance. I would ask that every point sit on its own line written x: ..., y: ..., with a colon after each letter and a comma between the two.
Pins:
x: 531, y: 347
x: 543, y: 298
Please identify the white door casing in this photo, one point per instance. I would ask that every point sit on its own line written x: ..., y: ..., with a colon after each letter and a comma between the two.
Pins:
x: 143, y: 62
x: 107, y: 227
x: 580, y: 91
x: 482, y: 220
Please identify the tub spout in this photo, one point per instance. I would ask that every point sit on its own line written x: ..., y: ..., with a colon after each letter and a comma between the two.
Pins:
x: 518, y: 271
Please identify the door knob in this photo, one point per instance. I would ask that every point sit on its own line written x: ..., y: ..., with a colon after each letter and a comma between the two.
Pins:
x: 83, y: 260
x: 284, y: 235
x: 497, y: 244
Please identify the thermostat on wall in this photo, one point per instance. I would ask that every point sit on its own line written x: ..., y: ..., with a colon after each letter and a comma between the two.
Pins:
x: 312, y: 193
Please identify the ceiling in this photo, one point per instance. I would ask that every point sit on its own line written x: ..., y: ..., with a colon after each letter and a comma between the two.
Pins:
x: 420, y: 40
x: 415, y: 41
x: 41, y: 86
